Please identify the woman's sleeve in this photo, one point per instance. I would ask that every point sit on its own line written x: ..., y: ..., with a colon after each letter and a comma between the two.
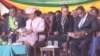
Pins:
x: 41, y: 26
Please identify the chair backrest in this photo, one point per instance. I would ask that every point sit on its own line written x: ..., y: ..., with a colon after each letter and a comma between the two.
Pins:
x: 49, y: 25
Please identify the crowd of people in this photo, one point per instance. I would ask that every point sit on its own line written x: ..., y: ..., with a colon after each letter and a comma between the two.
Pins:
x: 81, y: 27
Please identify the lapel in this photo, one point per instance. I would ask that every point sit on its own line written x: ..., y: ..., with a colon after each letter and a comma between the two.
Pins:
x: 66, y: 22
x: 16, y: 18
x: 86, y: 21
x: 67, y: 19
x: 78, y: 20
x: 60, y: 18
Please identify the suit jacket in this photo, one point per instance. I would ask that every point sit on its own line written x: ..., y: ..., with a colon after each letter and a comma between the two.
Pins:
x: 90, y: 25
x: 68, y: 26
x: 1, y: 25
x: 19, y: 19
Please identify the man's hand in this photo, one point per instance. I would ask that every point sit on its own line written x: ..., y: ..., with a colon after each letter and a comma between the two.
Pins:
x: 10, y: 34
x: 98, y: 34
x: 70, y: 34
x: 80, y: 34
x: 56, y: 33
x: 3, y: 34
x: 83, y: 34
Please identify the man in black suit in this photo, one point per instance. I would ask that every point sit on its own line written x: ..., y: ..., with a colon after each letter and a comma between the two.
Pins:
x: 64, y: 23
x: 85, y: 26
x: 16, y: 21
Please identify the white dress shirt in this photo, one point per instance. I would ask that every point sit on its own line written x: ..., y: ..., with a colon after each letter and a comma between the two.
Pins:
x: 82, y: 21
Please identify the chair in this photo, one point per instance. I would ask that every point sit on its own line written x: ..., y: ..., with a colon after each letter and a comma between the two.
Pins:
x: 39, y: 44
x: 98, y: 48
x: 67, y: 48
x: 94, y: 35
x: 98, y: 51
x: 42, y: 43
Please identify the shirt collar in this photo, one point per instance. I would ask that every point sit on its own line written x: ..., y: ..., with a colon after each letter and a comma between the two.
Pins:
x: 85, y: 16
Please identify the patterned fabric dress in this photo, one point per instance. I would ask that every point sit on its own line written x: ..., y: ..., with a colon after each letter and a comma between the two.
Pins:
x: 37, y: 25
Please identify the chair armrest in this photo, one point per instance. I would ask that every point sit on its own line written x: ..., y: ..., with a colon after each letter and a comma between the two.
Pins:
x: 41, y: 33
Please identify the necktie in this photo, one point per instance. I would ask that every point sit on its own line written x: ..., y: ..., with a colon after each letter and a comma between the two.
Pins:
x: 63, y: 22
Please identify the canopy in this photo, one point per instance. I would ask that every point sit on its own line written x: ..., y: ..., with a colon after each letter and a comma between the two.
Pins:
x: 53, y: 5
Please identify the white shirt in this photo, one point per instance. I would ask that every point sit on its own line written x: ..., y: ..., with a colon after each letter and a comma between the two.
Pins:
x: 82, y: 21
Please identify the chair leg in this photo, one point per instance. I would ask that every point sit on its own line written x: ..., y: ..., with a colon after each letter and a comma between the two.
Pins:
x: 35, y: 51
x: 69, y: 52
x: 60, y: 52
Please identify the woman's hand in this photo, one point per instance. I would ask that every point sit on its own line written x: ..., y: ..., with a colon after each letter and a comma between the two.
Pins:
x: 30, y: 31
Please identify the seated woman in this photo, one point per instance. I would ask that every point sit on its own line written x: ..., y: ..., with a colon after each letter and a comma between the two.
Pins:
x: 34, y: 25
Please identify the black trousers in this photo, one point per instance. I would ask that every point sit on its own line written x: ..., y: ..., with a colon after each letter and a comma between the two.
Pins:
x: 60, y: 38
x: 13, y: 37
x: 80, y: 47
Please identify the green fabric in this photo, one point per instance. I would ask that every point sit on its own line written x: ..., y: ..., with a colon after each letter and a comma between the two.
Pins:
x: 52, y: 3
x: 11, y: 23
x: 10, y: 50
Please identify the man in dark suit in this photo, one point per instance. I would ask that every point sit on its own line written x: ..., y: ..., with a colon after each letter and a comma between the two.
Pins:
x: 85, y: 26
x: 12, y: 23
x: 64, y: 23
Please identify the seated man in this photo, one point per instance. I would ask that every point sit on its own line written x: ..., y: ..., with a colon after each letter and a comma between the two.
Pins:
x: 96, y: 40
x: 12, y: 22
x: 64, y: 24
x: 1, y: 23
x: 85, y: 26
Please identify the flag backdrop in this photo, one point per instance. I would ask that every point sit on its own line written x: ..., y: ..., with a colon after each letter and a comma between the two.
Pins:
x: 53, y: 5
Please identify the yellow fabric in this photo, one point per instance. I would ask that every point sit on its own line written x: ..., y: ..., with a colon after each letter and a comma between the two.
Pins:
x: 47, y: 9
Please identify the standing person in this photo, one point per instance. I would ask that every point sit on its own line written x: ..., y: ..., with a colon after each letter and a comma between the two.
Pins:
x: 64, y: 24
x: 85, y: 26
x: 12, y: 22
